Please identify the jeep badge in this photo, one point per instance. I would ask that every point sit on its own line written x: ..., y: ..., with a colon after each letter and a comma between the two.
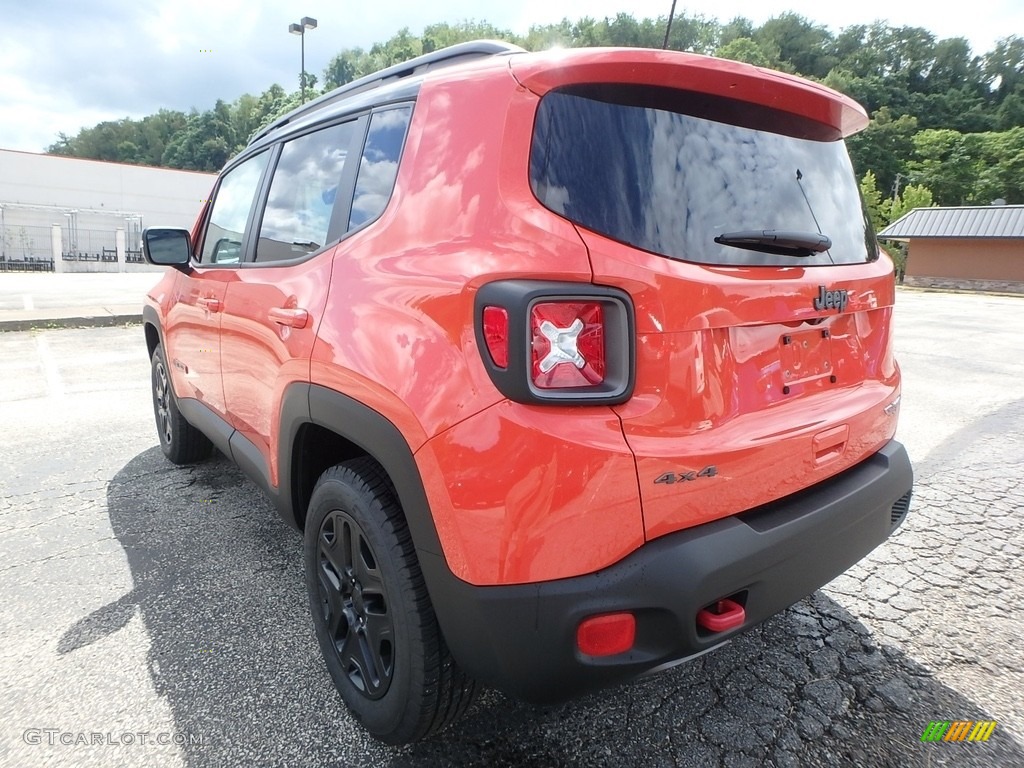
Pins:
x: 827, y: 299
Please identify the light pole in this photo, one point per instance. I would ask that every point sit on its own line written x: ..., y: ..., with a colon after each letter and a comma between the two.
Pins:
x: 300, y: 29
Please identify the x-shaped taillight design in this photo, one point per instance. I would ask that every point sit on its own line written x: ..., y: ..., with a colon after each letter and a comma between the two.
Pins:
x: 568, y: 344
x: 564, y: 345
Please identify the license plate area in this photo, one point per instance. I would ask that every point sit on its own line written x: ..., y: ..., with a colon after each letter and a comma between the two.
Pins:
x: 805, y: 356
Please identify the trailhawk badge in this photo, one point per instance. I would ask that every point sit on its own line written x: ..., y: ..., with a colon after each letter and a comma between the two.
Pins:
x: 831, y: 299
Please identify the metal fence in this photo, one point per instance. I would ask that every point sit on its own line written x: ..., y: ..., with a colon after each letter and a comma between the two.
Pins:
x: 26, y: 265
x: 87, y: 239
x: 25, y: 243
x: 89, y: 245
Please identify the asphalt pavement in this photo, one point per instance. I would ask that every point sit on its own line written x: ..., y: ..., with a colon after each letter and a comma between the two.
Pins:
x: 49, y: 300
x: 155, y: 615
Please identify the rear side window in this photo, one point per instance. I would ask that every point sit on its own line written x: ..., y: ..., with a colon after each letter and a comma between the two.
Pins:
x: 669, y: 171
x: 379, y: 164
x: 302, y: 193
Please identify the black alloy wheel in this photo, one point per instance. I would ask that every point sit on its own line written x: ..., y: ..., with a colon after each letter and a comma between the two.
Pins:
x: 355, y: 604
x: 162, y: 401
x: 372, y: 612
x: 180, y: 441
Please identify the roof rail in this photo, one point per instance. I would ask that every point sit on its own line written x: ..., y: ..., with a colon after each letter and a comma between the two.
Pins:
x: 445, y: 57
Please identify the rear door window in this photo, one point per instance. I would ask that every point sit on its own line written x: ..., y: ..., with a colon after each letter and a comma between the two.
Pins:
x: 669, y: 171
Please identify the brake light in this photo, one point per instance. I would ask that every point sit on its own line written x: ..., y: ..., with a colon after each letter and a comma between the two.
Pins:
x: 567, y: 344
x: 496, y: 334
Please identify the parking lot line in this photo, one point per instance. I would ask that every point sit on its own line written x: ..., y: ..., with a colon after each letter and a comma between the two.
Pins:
x: 54, y: 385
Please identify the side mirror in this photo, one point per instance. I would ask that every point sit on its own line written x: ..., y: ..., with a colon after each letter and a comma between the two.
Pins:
x: 167, y: 246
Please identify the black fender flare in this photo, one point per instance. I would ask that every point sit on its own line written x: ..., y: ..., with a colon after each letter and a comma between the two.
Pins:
x: 384, y: 443
x: 151, y: 317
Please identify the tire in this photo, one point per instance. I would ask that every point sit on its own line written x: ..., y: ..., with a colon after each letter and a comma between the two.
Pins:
x: 373, y: 617
x: 180, y: 441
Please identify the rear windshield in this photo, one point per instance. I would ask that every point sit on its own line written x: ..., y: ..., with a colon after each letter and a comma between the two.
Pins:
x: 669, y: 171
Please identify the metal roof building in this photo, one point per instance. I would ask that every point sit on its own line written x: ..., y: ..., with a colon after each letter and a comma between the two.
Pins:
x: 989, y: 221
x: 979, y: 247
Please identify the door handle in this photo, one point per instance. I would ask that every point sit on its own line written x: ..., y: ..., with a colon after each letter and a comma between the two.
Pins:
x: 210, y: 304
x: 296, y: 318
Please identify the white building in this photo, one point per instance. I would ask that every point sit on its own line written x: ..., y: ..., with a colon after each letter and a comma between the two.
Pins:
x: 88, y: 215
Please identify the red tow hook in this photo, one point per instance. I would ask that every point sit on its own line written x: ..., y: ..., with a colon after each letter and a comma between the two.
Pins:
x: 721, y: 615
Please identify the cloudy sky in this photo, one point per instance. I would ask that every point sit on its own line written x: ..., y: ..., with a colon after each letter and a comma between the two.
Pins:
x: 68, y: 64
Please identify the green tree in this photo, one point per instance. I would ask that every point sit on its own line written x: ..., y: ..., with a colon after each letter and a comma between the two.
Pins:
x: 1011, y: 112
x: 856, y: 54
x: 540, y: 38
x: 64, y: 145
x: 946, y: 163
x: 689, y: 33
x: 155, y: 131
x: 806, y: 47
x: 1000, y: 167
x: 953, y: 66
x: 957, y: 108
x: 1004, y: 66
x: 871, y: 92
x: 872, y: 201
x: 350, y: 64
x: 749, y: 51
x: 206, y: 143
x: 402, y: 46
x: 625, y: 30
x: 907, y: 53
x: 913, y: 196
x: 438, y: 36
x: 895, y: 208
x: 738, y: 27
x: 884, y: 147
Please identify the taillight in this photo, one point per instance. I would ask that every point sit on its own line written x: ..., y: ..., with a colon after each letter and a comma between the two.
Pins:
x: 545, y: 342
x: 496, y: 334
x: 567, y: 344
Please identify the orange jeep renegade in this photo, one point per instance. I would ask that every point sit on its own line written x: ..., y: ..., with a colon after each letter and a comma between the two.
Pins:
x: 570, y: 365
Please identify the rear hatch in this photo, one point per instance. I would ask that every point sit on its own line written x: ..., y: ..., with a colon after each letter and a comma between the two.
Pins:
x: 722, y: 199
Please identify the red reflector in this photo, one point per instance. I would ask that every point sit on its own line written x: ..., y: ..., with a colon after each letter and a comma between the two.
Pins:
x: 496, y: 334
x: 724, y: 614
x: 607, y: 634
x: 567, y: 344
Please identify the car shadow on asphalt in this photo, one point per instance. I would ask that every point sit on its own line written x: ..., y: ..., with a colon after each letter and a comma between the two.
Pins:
x: 218, y: 582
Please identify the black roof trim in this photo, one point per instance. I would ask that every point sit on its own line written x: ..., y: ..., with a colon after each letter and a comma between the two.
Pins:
x: 446, y: 57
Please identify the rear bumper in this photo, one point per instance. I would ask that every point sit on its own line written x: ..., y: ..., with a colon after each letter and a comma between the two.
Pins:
x: 522, y: 639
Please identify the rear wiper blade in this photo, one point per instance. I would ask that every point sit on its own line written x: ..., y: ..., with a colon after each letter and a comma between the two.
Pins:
x: 784, y: 242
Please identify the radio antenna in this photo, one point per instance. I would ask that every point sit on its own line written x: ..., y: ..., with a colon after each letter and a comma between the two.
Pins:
x: 668, y: 27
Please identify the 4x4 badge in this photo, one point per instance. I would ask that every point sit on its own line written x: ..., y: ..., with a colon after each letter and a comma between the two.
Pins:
x: 831, y: 299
